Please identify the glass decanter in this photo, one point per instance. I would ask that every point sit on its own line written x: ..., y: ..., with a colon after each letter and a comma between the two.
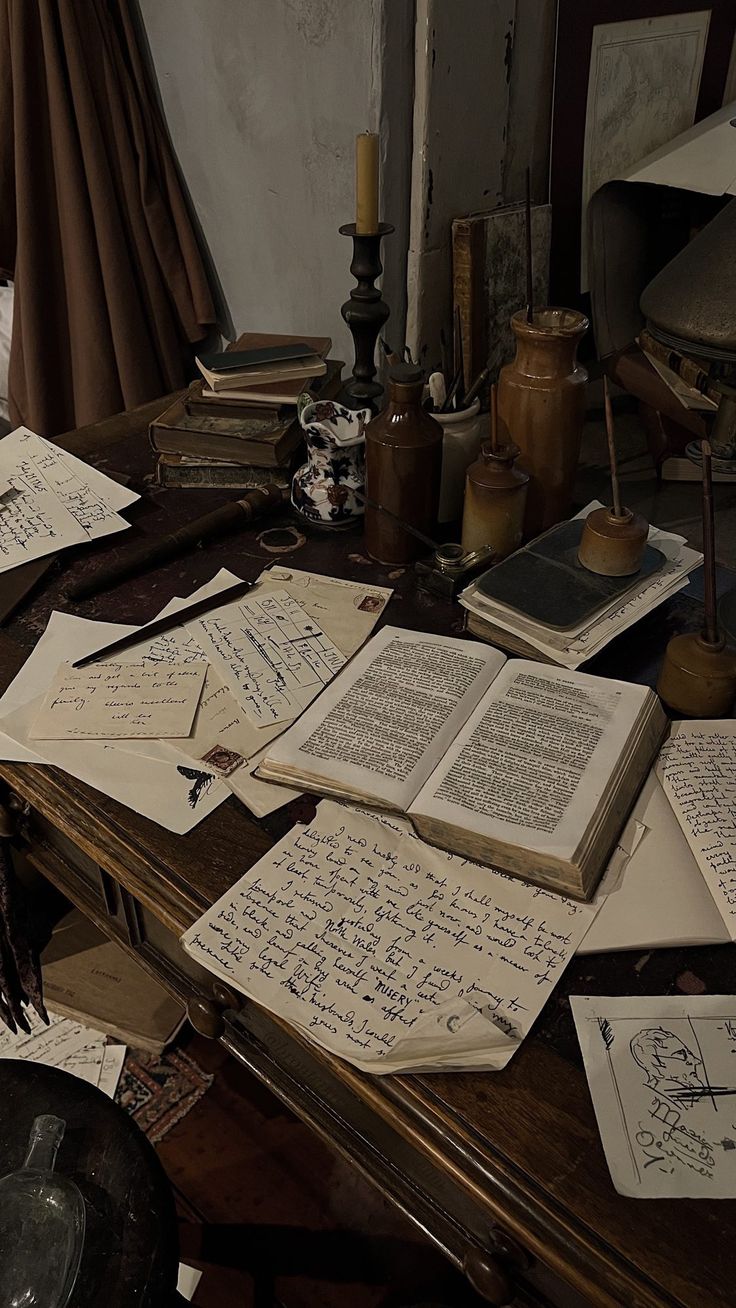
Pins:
x: 42, y: 1222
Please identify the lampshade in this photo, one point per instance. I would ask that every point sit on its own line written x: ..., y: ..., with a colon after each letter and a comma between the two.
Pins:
x: 691, y: 304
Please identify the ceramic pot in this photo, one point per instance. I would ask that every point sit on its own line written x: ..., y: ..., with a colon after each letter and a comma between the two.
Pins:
x: 322, y: 490
x: 462, y: 433
x: 541, y: 408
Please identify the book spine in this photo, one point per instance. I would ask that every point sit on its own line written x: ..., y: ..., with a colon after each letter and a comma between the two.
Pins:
x: 687, y: 369
x: 203, y: 478
x: 467, y: 290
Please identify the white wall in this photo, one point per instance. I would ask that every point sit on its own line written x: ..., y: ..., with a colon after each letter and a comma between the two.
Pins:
x: 263, y: 100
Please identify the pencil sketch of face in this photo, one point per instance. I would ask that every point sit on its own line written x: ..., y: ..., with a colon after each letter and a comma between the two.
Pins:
x: 671, y: 1068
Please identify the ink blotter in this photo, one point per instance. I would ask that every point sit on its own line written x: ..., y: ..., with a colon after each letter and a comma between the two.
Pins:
x: 545, y: 582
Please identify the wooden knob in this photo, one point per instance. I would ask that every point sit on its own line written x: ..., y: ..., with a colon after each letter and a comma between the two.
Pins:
x: 488, y: 1278
x: 226, y: 997
x: 206, y: 1018
x: 509, y: 1250
x: 8, y: 823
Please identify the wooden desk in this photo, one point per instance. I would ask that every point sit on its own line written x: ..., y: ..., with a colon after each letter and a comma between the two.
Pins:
x: 504, y: 1171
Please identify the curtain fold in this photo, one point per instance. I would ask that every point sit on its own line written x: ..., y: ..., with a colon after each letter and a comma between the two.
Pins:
x: 110, y: 285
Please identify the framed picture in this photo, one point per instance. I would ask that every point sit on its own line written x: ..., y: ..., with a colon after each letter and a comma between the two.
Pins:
x: 630, y: 75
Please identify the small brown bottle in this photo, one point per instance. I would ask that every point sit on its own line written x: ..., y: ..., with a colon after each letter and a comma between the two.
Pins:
x: 495, y: 499
x: 403, y: 469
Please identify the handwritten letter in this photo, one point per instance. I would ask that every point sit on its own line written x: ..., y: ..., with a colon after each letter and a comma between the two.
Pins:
x: 386, y: 951
x: 662, y: 1080
x: 271, y: 653
x: 697, y: 768
x: 110, y: 701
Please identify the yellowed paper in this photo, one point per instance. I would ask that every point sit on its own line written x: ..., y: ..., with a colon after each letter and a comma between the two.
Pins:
x: 110, y: 701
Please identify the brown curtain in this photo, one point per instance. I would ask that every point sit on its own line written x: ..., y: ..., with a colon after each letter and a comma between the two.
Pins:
x: 110, y: 286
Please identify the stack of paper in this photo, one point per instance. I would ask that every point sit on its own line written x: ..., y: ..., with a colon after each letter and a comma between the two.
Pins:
x: 511, y: 630
x: 66, y: 1044
x: 386, y: 951
x: 256, y: 663
x: 49, y: 499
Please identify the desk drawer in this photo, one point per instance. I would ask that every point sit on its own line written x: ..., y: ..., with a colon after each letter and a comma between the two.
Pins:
x: 501, y: 1272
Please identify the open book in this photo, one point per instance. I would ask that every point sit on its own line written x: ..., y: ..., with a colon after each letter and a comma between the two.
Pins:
x: 530, y: 768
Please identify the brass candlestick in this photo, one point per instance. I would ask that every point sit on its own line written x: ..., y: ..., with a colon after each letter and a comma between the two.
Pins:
x: 698, y: 676
x: 365, y: 313
x: 613, y: 540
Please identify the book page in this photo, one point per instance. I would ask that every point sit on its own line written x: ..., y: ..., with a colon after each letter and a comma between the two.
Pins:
x: 697, y: 768
x: 660, y: 1072
x: 386, y: 951
x: 390, y: 715
x: 660, y: 899
x: 532, y: 763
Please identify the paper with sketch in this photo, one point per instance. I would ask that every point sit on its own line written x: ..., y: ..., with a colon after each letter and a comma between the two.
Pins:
x: 386, y: 951
x: 271, y: 653
x: 697, y: 768
x: 106, y: 701
x: 643, y: 84
x: 55, y: 501
x: 660, y: 898
x: 661, y: 1076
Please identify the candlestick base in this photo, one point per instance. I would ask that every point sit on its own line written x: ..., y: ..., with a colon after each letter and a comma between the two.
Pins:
x: 365, y: 313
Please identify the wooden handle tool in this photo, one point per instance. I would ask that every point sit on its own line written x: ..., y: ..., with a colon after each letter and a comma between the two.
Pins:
x: 152, y: 554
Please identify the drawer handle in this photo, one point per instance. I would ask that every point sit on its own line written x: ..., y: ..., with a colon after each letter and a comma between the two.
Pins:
x: 226, y: 997
x: 206, y: 1018
x: 488, y: 1278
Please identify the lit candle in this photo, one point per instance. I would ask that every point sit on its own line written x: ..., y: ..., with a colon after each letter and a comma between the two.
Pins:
x: 366, y: 183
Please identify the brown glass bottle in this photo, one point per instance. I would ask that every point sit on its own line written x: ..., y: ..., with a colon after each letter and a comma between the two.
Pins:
x: 403, y: 469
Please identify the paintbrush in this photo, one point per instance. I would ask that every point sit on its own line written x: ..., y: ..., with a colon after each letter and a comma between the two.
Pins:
x: 529, y: 265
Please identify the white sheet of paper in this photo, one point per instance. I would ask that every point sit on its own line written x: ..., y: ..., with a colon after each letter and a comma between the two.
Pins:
x: 661, y: 1076
x: 111, y: 700
x: 153, y: 782
x: 92, y: 498
x: 701, y: 159
x: 697, y: 768
x: 271, y: 653
x: 661, y: 899
x: 386, y: 951
x: 56, y: 500
x: 112, y: 1065
x: 51, y: 1044
x: 86, y: 1063
x: 188, y: 1281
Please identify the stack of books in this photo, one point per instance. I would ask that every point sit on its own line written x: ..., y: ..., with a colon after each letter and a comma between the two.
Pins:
x: 238, y: 426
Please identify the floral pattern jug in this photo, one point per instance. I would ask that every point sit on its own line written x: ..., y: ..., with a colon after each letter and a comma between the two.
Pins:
x: 323, y: 490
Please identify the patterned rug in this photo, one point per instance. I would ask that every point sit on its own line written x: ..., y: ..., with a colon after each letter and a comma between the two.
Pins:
x: 159, y: 1091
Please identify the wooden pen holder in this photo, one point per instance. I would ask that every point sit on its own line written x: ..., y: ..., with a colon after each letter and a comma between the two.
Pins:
x: 613, y: 545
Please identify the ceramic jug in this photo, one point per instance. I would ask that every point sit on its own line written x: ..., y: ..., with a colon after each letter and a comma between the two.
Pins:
x: 323, y: 489
x: 541, y: 408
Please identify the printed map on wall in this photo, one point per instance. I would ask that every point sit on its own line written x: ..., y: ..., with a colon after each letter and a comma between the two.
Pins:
x: 643, y: 89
